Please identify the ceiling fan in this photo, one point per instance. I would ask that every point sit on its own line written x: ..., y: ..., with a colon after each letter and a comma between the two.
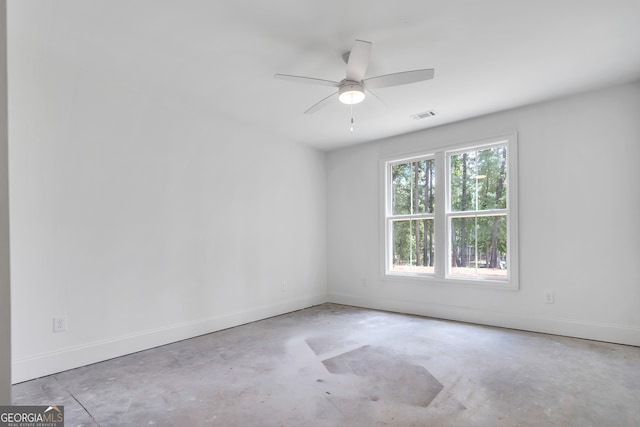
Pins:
x: 352, y: 89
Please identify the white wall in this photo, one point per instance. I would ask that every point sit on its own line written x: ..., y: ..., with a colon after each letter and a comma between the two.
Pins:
x: 5, y: 299
x: 579, y: 232
x: 147, y: 220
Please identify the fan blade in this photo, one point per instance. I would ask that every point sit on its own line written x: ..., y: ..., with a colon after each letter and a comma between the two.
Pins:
x: 325, y: 101
x: 378, y: 98
x: 358, y: 60
x: 397, y: 79
x: 309, y: 80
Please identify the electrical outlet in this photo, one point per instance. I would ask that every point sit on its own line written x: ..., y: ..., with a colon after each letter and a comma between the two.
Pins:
x: 548, y: 297
x: 59, y: 323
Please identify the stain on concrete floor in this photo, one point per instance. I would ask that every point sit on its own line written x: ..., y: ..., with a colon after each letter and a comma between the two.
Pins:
x: 391, y: 377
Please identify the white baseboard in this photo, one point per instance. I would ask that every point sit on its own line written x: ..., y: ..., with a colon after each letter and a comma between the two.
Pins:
x: 36, y: 366
x: 619, y: 334
x: 39, y: 365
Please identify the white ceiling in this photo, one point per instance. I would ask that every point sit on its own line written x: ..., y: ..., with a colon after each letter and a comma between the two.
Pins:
x: 220, y: 56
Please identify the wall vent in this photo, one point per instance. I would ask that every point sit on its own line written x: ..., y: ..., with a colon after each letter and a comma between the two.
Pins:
x: 424, y: 115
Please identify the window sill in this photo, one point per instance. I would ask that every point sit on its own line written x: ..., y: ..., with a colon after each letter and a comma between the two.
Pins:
x: 451, y: 281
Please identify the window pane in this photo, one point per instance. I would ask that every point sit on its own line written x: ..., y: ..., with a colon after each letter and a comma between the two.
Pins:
x: 479, y: 246
x: 413, y: 188
x: 478, y: 180
x: 413, y: 246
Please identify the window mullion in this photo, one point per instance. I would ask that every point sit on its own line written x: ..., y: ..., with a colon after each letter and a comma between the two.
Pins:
x: 441, y: 226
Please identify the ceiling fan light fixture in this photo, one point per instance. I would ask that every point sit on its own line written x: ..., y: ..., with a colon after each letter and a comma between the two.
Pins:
x: 352, y: 93
x: 351, y: 88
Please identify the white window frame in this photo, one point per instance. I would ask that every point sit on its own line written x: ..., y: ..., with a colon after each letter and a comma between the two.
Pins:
x: 389, y: 210
x: 442, y: 215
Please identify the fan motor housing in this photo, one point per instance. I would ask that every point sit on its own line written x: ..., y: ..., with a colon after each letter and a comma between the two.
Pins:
x: 351, y: 92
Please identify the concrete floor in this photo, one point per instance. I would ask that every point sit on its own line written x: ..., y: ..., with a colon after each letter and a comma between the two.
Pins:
x: 333, y: 365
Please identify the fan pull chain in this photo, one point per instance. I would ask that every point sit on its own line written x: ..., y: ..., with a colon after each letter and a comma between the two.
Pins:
x: 351, y: 116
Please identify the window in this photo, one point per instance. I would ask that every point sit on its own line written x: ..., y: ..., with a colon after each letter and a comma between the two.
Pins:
x: 451, y: 214
x: 412, y: 219
x: 477, y: 212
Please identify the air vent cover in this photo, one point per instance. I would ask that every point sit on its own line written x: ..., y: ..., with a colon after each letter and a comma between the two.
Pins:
x: 423, y: 115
